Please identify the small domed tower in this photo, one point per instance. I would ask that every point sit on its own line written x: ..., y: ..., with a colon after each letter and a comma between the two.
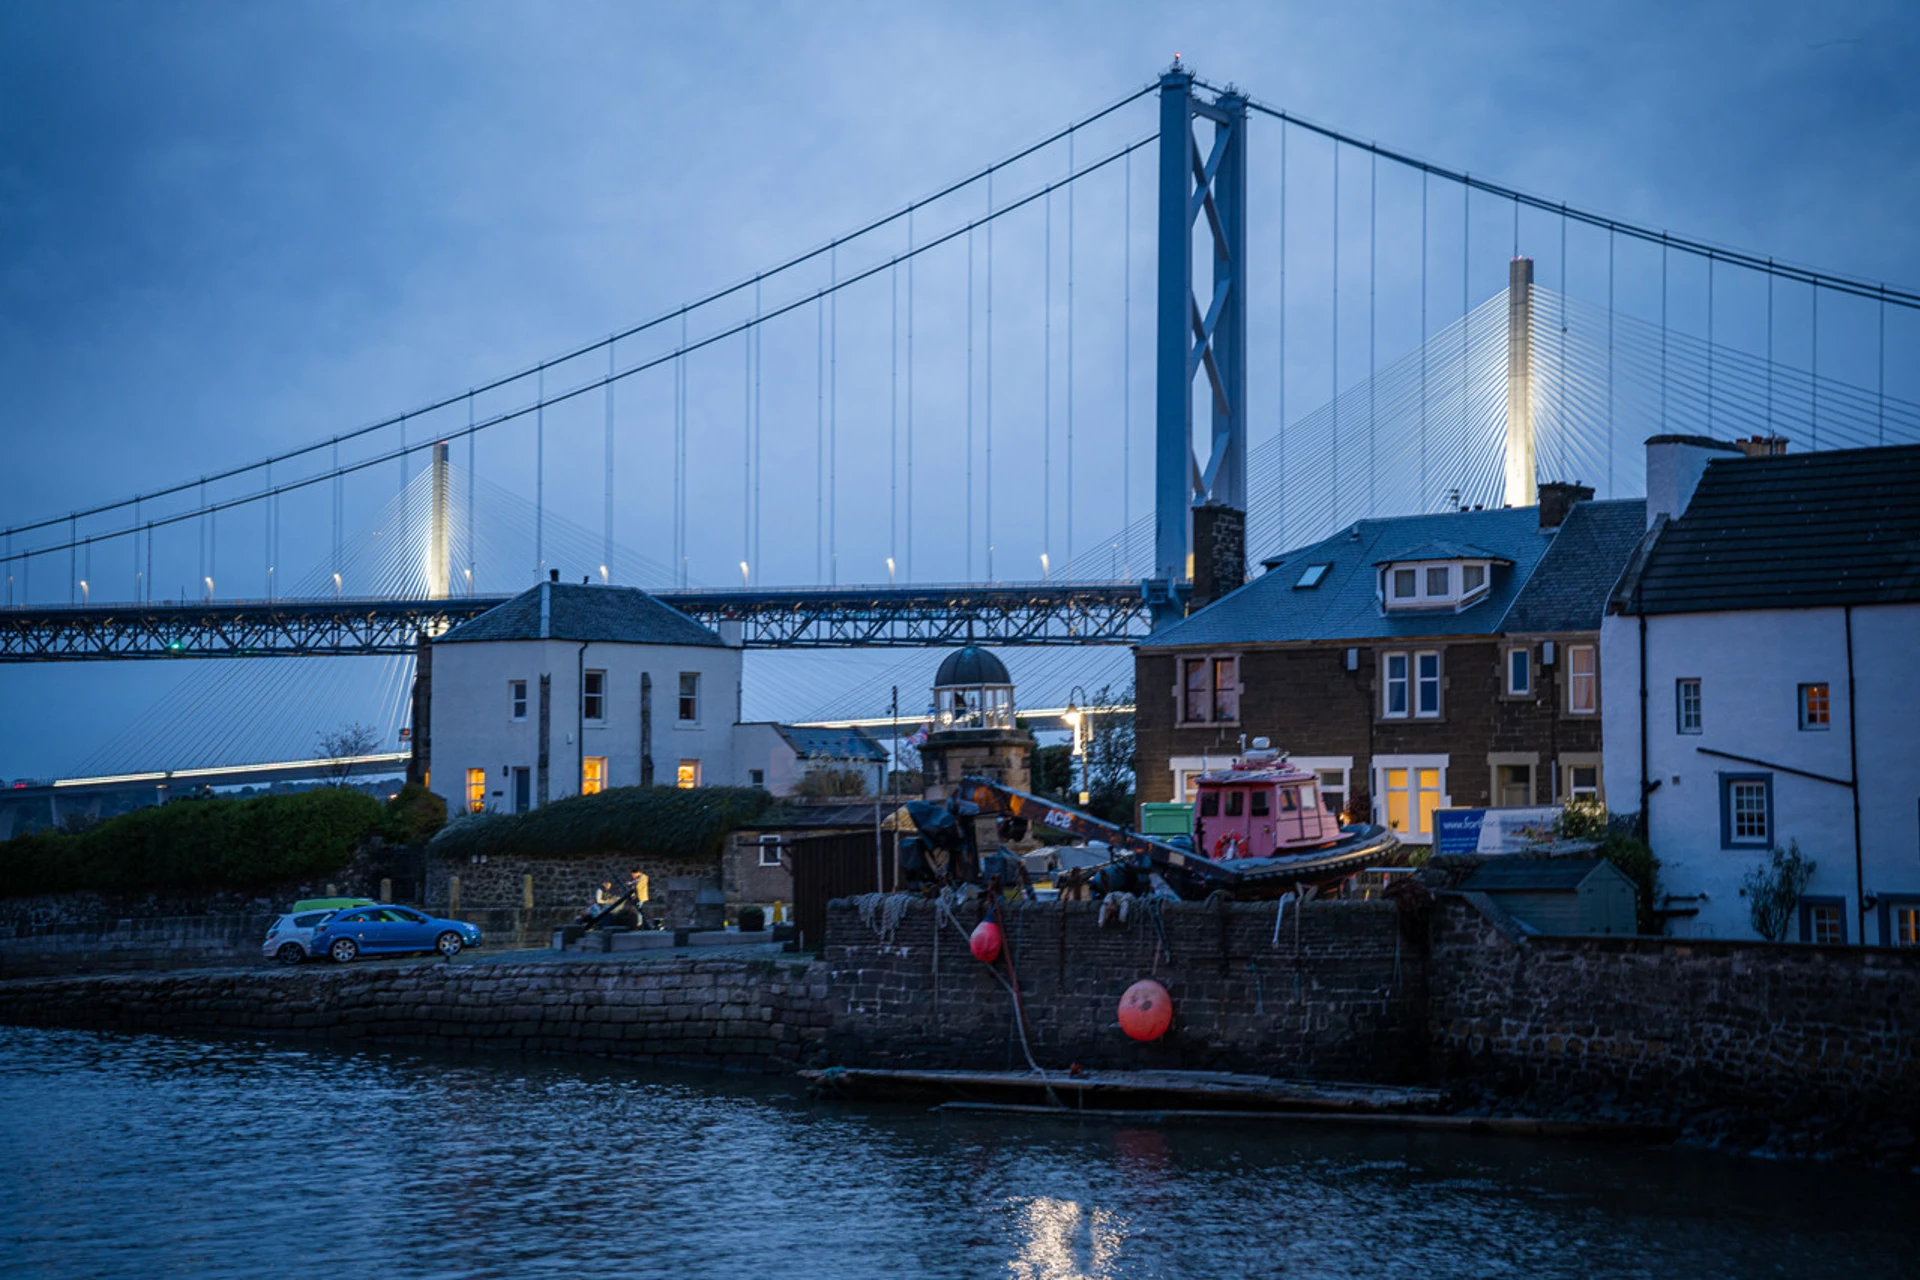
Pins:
x: 974, y: 733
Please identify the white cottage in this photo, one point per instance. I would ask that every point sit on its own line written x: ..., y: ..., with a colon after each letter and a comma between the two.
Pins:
x: 1765, y: 649
x: 567, y: 690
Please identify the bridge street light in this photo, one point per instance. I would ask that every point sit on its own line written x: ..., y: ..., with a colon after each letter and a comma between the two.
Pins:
x: 1077, y: 720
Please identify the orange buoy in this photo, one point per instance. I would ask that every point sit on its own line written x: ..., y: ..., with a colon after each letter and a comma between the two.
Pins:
x: 1146, y: 1011
x: 985, y: 942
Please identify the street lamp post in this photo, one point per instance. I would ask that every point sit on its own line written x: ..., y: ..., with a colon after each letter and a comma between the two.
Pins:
x: 1077, y: 720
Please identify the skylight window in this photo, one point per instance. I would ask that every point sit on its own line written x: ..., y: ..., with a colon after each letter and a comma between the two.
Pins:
x: 1312, y: 577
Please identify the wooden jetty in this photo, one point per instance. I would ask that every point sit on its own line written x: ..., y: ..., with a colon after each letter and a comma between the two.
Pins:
x: 1122, y: 1090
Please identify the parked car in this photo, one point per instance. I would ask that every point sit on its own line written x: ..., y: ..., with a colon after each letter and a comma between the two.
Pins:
x: 384, y: 929
x: 290, y: 940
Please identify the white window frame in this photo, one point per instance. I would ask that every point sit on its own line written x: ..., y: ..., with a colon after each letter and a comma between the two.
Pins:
x: 1412, y: 763
x: 586, y: 714
x: 1420, y: 682
x: 1807, y: 723
x: 1456, y: 595
x: 1592, y: 678
x: 1563, y: 776
x: 1519, y: 659
x: 1388, y: 680
x: 681, y: 698
x: 681, y: 774
x: 516, y: 701
x: 606, y: 770
x: 1681, y: 687
x: 1186, y: 768
x: 769, y: 843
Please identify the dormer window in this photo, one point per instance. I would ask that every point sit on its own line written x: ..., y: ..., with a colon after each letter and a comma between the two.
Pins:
x: 1436, y: 585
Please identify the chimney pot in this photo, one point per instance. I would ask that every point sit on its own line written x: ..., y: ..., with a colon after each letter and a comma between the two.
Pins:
x: 553, y: 575
x: 1557, y: 499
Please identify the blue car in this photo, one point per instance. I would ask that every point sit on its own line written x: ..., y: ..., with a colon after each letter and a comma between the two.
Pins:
x: 382, y: 930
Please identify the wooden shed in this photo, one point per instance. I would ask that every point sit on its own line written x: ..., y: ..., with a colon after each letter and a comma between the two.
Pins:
x: 1559, y: 895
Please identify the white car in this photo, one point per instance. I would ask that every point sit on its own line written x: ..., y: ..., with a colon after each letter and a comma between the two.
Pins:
x: 289, y: 938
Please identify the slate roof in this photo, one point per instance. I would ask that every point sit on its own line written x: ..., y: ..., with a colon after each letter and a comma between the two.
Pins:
x: 831, y: 744
x: 1346, y: 606
x: 1806, y: 530
x: 1442, y: 551
x: 1515, y: 874
x: 1569, y: 587
x: 570, y: 611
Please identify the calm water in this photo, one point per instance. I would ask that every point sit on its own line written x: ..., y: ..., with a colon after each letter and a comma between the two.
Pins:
x: 146, y: 1157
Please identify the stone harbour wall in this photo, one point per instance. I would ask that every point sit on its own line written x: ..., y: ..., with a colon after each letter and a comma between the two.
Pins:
x: 557, y: 882
x: 1694, y: 1020
x: 119, y: 946
x: 1341, y: 994
x: 741, y: 1015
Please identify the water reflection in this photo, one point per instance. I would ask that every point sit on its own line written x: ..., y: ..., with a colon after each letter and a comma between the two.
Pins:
x: 159, y: 1157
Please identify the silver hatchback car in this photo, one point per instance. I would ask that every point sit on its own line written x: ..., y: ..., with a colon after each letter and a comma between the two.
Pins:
x: 289, y: 938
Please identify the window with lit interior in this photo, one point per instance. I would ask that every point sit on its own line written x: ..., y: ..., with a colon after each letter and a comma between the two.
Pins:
x: 593, y: 775
x: 476, y: 790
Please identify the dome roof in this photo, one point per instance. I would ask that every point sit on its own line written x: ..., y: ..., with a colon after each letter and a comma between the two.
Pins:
x: 971, y: 666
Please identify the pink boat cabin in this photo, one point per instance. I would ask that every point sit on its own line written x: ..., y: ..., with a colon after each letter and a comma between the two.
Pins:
x: 1263, y: 807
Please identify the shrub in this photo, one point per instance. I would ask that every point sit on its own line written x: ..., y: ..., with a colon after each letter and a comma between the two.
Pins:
x: 196, y: 842
x: 664, y: 821
x: 414, y: 815
x: 1773, y: 890
x: 752, y: 919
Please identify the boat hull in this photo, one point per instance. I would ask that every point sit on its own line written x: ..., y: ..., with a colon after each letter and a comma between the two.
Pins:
x: 1261, y: 879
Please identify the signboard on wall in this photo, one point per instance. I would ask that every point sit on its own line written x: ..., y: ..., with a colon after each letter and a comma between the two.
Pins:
x: 1492, y: 830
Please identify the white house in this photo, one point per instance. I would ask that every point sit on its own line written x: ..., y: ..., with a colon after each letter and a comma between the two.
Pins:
x: 1764, y: 647
x: 778, y: 756
x: 567, y: 690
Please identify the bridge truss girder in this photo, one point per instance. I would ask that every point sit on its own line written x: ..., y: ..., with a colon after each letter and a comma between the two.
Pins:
x: 842, y: 618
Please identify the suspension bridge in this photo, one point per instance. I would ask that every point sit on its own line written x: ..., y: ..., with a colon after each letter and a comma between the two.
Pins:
x: 1305, y: 329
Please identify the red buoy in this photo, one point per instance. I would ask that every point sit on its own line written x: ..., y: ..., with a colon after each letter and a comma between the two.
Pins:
x: 985, y: 942
x: 1146, y: 1011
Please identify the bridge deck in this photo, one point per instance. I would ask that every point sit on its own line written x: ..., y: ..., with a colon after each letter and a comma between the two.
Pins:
x: 1071, y: 613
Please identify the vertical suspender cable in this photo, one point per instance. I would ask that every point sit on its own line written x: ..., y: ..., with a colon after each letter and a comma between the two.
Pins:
x: 1423, y: 340
x: 989, y: 387
x: 540, y: 475
x: 1046, y: 393
x: 1373, y: 209
x: 73, y: 550
x: 910, y: 262
x: 680, y: 453
x: 1126, y: 369
x: 833, y: 421
x: 746, y: 453
x: 1769, y: 346
x: 1466, y: 286
x: 1710, y: 262
x: 606, y: 515
x: 969, y: 439
x: 1663, y: 331
x: 266, y: 534
x: 1813, y: 378
x: 1881, y: 437
x: 819, y: 438
x: 1280, y: 425
x: 759, y: 430
x: 893, y: 421
x: 1070, y: 224
x: 1560, y: 374
x: 472, y: 555
x: 336, y: 518
x: 139, y: 583
x: 1610, y: 243
x: 1335, y: 361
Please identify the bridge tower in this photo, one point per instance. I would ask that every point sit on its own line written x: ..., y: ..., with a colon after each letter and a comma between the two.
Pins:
x: 1199, y: 548
x: 439, y: 526
x: 1520, y: 477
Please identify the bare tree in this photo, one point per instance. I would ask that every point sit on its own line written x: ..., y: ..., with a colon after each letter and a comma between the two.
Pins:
x: 338, y: 747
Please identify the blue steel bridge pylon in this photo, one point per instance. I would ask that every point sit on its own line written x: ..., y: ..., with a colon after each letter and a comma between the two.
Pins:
x: 1192, y: 336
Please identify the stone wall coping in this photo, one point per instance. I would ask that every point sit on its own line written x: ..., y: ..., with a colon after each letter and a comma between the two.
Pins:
x: 1655, y: 944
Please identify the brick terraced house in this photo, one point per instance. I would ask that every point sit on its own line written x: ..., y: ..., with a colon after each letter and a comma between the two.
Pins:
x: 1414, y: 663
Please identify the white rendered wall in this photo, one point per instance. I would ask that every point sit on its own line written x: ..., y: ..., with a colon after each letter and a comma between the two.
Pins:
x: 472, y: 727
x: 1750, y: 665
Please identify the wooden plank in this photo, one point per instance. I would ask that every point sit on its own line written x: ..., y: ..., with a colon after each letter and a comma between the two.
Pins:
x: 1220, y: 1088
x: 1503, y: 1126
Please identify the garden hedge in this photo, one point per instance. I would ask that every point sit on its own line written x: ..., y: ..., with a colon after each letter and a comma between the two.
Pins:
x: 195, y: 842
x: 662, y: 821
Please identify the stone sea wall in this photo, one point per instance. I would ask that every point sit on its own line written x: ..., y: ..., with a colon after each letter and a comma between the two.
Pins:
x: 1341, y: 992
x: 134, y: 943
x: 1703, y: 1021
x: 742, y: 1015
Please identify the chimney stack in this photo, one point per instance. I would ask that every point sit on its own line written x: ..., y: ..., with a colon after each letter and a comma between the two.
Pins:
x: 1762, y: 446
x: 1556, y: 501
x: 1674, y: 467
